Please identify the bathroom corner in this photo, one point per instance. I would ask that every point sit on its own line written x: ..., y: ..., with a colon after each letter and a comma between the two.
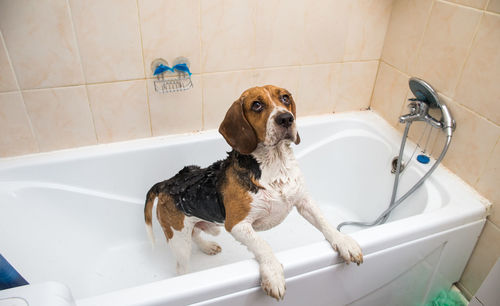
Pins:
x: 453, y: 45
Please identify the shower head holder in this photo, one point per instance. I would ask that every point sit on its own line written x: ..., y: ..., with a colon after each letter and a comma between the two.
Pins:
x: 424, y: 92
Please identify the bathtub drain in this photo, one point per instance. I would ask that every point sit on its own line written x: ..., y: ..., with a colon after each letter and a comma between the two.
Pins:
x: 394, y: 164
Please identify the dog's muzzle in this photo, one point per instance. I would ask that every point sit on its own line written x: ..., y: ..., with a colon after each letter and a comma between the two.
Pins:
x: 286, y: 126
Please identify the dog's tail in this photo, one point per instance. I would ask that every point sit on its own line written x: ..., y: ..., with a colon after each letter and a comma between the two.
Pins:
x: 148, y: 211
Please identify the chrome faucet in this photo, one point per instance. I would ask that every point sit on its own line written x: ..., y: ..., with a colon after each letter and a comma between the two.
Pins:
x: 426, y: 98
x: 419, y: 111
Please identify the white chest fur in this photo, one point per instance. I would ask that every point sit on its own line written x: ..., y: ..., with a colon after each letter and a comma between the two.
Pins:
x: 282, y: 182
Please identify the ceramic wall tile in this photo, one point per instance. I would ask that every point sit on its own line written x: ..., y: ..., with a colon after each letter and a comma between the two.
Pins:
x: 390, y: 92
x: 325, y: 35
x: 479, y: 87
x: 472, y: 143
x: 171, y: 29
x: 279, y: 30
x: 120, y: 110
x: 445, y: 45
x: 405, y: 31
x: 318, y: 87
x: 41, y: 43
x: 61, y: 117
x: 489, y: 182
x: 367, y: 27
x: 109, y: 39
x: 356, y: 86
x: 7, y: 78
x: 16, y: 137
x: 494, y: 6
x: 227, y: 35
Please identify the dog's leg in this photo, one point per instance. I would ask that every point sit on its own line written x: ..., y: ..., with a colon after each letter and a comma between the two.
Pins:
x: 180, y: 243
x: 271, y: 270
x: 347, y: 247
x: 208, y: 227
x: 207, y: 247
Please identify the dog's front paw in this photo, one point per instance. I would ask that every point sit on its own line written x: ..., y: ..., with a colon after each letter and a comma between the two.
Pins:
x: 273, y: 280
x: 348, y: 248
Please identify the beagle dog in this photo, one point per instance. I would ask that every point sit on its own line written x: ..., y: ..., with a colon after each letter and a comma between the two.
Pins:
x: 252, y: 190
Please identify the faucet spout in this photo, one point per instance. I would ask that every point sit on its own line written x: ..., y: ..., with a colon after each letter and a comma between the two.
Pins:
x: 409, y: 118
x: 418, y: 112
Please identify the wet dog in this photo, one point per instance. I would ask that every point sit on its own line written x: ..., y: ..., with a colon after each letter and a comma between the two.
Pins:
x: 252, y: 190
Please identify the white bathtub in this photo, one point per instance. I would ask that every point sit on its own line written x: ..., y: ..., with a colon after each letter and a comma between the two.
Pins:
x: 76, y: 217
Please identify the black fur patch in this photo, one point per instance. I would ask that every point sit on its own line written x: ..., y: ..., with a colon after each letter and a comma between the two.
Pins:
x: 196, y: 191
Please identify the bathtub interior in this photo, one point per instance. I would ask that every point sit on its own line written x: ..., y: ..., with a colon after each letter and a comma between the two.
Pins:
x: 81, y: 222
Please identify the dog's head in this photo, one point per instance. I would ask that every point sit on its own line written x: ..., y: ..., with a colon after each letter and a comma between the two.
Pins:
x: 263, y: 115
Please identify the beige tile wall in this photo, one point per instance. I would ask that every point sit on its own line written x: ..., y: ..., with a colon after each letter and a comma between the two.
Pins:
x: 77, y: 72
x: 454, y: 45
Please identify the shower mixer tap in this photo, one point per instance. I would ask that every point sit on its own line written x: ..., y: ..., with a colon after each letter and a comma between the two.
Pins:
x: 427, y: 98
x: 419, y: 111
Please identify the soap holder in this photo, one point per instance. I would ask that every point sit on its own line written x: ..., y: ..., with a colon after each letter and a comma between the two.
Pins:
x: 171, y: 79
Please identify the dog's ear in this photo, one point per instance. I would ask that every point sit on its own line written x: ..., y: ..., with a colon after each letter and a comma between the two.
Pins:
x: 235, y: 128
x: 297, y: 137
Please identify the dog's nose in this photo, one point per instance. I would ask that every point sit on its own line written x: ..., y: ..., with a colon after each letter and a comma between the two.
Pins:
x: 285, y: 120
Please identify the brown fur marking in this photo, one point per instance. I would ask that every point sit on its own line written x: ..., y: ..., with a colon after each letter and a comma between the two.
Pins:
x: 148, y: 209
x: 235, y: 128
x: 256, y: 182
x: 168, y: 215
x: 236, y: 200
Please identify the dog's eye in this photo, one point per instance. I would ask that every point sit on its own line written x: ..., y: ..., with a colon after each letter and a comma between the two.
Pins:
x: 257, y: 106
x: 285, y: 99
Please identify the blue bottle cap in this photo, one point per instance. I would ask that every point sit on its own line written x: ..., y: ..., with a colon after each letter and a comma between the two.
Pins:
x: 424, y: 159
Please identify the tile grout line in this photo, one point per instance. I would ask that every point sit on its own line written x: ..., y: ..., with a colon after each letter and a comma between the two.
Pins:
x: 73, y: 28
x: 470, y: 7
x: 375, y: 83
x: 395, y: 68
x: 32, y: 129
x: 144, y: 68
x: 492, y: 13
x: 467, y: 55
x: 486, y: 5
